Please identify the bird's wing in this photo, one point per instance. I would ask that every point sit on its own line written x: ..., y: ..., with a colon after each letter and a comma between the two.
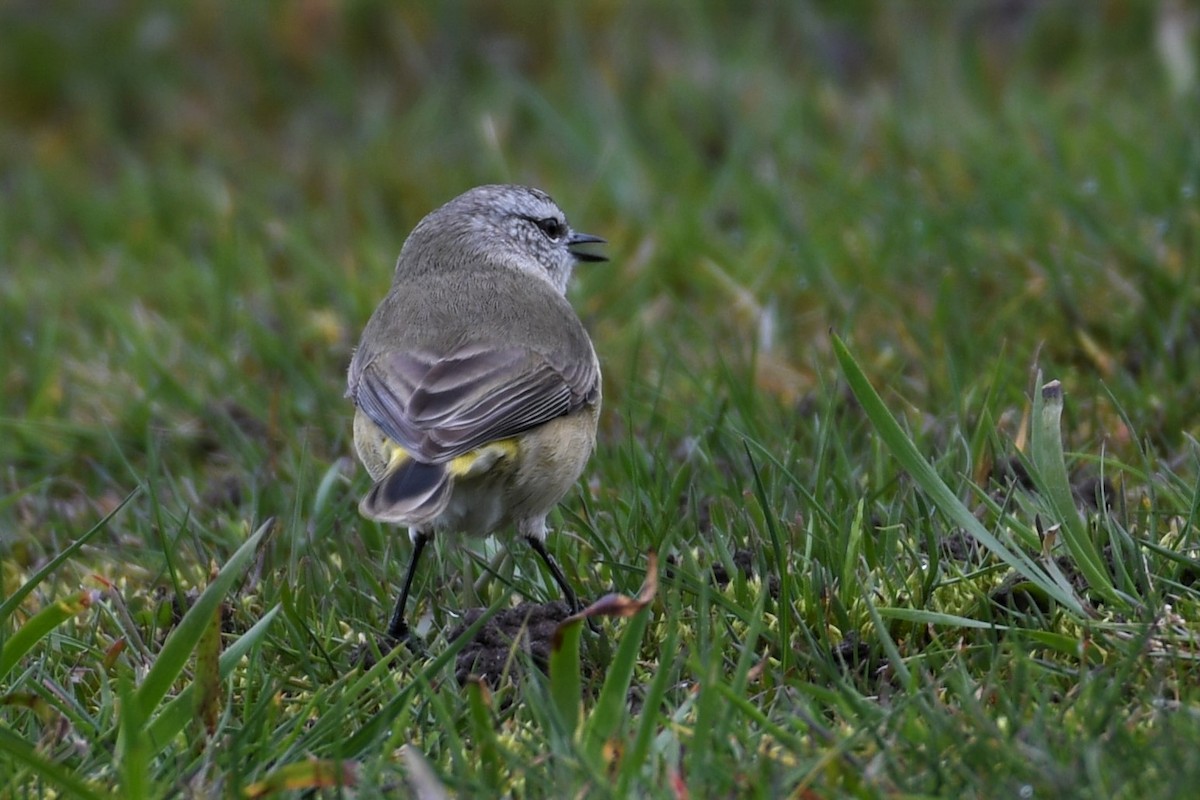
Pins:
x: 440, y: 408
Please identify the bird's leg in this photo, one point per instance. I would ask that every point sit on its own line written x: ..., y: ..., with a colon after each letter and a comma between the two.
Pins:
x: 398, y: 629
x: 556, y: 572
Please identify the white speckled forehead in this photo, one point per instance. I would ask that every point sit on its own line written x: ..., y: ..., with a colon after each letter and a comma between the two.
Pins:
x: 504, y: 200
x: 501, y: 225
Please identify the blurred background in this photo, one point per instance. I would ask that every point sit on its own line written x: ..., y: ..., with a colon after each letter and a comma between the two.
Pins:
x: 202, y: 203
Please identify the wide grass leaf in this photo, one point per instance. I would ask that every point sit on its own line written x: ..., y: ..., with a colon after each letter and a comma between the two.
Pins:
x: 40, y: 625
x: 176, y: 713
x: 183, y: 640
x: 917, y: 466
x: 1050, y: 476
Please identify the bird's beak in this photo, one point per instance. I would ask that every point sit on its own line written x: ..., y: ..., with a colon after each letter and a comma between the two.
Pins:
x: 576, y: 239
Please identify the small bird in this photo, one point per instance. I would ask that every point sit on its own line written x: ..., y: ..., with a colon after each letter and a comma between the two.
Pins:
x: 476, y: 387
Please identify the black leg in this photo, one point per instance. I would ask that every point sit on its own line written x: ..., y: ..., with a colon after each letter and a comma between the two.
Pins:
x: 568, y: 593
x: 398, y: 629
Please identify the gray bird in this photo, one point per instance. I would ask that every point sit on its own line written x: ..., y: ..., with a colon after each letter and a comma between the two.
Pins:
x: 476, y: 387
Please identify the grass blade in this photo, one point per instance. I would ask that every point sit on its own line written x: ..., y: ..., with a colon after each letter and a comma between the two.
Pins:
x: 39, y: 626
x: 377, y: 726
x: 133, y: 746
x: 650, y: 718
x: 610, y: 706
x: 10, y: 603
x: 479, y: 706
x: 889, y: 644
x: 782, y: 568
x: 1050, y: 477
x: 178, y: 711
x: 923, y: 617
x: 183, y: 640
x: 923, y: 473
x: 25, y: 754
x: 566, y: 685
x: 208, y: 676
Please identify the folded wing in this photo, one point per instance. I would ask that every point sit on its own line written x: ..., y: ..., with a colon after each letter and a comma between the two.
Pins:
x: 440, y: 408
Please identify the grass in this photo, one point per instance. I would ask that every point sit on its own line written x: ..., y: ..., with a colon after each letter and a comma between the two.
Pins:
x: 851, y: 244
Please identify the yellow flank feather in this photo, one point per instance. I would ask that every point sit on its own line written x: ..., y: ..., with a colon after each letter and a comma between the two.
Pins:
x: 481, y: 459
x: 475, y: 462
x: 396, y: 455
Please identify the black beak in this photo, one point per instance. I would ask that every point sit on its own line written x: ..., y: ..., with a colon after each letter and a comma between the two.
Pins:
x: 585, y: 238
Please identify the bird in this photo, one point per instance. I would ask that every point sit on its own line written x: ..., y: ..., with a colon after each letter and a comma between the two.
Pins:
x: 477, y: 390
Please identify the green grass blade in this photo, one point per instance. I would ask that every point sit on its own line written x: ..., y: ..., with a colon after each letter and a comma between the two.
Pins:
x: 183, y: 640
x: 782, y: 567
x: 39, y: 626
x: 749, y: 655
x: 923, y: 617
x: 208, y: 676
x: 1053, y: 483
x: 906, y: 453
x: 650, y: 719
x: 566, y: 685
x: 25, y: 754
x: 133, y: 746
x: 745, y: 706
x: 377, y: 726
x: 178, y: 711
x: 484, y: 732
x: 889, y: 644
x: 10, y: 603
x: 609, y: 710
x: 754, y: 643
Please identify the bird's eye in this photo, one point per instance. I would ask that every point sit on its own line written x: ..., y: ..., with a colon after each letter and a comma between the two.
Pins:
x: 552, y: 227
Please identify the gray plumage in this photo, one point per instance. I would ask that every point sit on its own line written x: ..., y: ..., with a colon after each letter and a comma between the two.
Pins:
x: 478, y: 369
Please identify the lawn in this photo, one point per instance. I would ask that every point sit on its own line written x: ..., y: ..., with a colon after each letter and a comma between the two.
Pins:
x: 901, y: 349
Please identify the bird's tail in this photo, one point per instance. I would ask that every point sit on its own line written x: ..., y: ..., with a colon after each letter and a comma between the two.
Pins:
x: 409, y: 494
